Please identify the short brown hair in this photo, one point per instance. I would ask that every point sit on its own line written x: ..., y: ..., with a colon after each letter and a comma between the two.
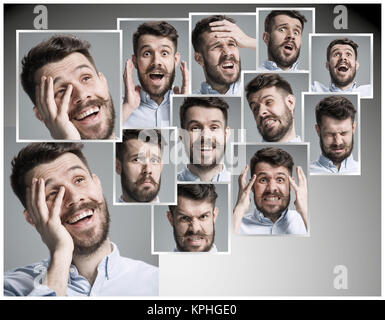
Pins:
x: 36, y: 154
x: 336, y: 107
x: 267, y: 80
x: 345, y: 41
x: 206, y: 102
x: 155, y: 28
x: 275, y: 157
x: 197, y: 192
x: 54, y: 49
x: 269, y: 20
x: 203, y: 26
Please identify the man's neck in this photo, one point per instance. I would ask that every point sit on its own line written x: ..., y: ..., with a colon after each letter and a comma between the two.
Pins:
x: 279, y: 66
x: 343, y: 88
x: 221, y: 88
x: 87, y: 265
x: 290, y: 135
x: 127, y: 198
x: 205, y: 175
x: 157, y: 99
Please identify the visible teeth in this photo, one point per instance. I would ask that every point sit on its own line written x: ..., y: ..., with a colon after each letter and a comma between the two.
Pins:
x: 87, y: 113
x: 228, y: 65
x: 80, y: 216
x: 269, y: 122
x: 271, y: 198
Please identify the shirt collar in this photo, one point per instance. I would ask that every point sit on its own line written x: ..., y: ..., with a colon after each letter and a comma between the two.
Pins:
x: 334, y: 88
x: 145, y: 98
x: 192, y: 177
x: 271, y: 65
x: 345, y: 164
x: 262, y: 219
x: 233, y: 89
x: 121, y: 200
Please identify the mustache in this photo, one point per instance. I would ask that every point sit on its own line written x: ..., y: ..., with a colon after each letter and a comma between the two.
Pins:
x: 292, y: 43
x: 146, y: 177
x: 92, y: 205
x: 156, y: 68
x: 275, y: 194
x: 227, y: 58
x: 81, y: 106
x: 338, y: 146
x: 191, y: 233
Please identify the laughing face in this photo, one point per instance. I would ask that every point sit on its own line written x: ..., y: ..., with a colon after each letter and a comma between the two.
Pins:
x: 220, y: 59
x: 155, y: 61
x: 84, y: 210
x: 284, y: 41
x: 271, y: 189
x: 273, y: 113
x: 342, y: 65
x: 140, y: 171
x: 193, y: 224
x: 336, y: 138
x: 91, y: 108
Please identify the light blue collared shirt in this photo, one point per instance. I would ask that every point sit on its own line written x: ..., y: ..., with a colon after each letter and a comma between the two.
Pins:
x: 234, y: 89
x: 324, y: 165
x: 120, y: 200
x: 187, y: 175
x: 213, y: 249
x: 296, y: 139
x: 272, y: 66
x: 149, y: 114
x: 117, y: 276
x: 364, y: 90
x: 290, y: 222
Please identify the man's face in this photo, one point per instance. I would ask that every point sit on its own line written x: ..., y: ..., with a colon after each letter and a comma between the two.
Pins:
x: 193, y: 224
x: 219, y: 58
x: 90, y: 108
x: 273, y: 112
x: 284, y: 41
x: 155, y: 61
x: 342, y: 64
x: 84, y: 210
x: 140, y: 171
x: 205, y: 136
x: 271, y: 189
x: 336, y: 138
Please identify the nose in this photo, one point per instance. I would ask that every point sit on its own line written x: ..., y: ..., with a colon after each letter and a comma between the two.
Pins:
x: 262, y: 110
x: 157, y: 58
x: 79, y: 93
x: 338, y: 139
x: 290, y: 34
x: 195, y: 226
x: 147, y: 167
x: 72, y: 197
x: 272, y: 186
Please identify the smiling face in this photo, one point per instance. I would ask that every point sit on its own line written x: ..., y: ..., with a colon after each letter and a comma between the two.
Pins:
x: 84, y: 210
x: 140, y: 171
x: 342, y: 65
x: 284, y: 41
x: 219, y: 58
x: 193, y: 224
x: 155, y: 61
x: 206, y: 135
x: 271, y: 189
x: 91, y: 108
x: 273, y: 112
x: 336, y: 138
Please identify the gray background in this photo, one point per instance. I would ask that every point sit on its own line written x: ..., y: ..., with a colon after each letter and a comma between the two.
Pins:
x: 298, y: 152
x: 308, y: 28
x: 319, y: 44
x: 248, y: 56
x: 130, y: 226
x: 299, y: 82
x: 234, y: 116
x: 129, y: 27
x: 167, y: 190
x: 344, y: 229
x: 310, y: 101
x: 105, y: 49
x: 163, y: 232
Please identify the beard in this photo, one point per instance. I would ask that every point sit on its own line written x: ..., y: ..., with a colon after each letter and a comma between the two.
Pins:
x: 161, y: 91
x: 185, y: 248
x: 202, y: 163
x: 272, y: 135
x: 133, y: 190
x: 337, y: 159
x: 93, y: 239
x: 281, y: 60
x: 339, y: 82
x: 270, y: 213
x: 99, y: 131
x: 214, y: 76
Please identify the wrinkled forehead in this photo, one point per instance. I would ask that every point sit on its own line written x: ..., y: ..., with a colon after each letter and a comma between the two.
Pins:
x: 193, y: 208
x: 200, y: 114
x: 264, y: 93
x: 267, y: 169
x: 138, y: 146
x: 334, y: 125
x: 155, y: 42
x: 283, y: 19
x: 342, y: 47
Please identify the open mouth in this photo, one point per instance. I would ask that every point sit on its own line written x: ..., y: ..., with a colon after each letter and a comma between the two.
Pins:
x: 268, y: 123
x: 272, y: 198
x: 343, y: 68
x: 88, y: 114
x: 156, y: 76
x: 289, y: 47
x: 84, y: 216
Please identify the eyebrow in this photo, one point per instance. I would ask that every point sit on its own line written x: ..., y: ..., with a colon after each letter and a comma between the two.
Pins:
x: 286, y: 24
x: 265, y: 173
x: 145, y: 46
x: 76, y: 167
x: 342, y: 49
x: 81, y: 66
x: 196, y: 121
x: 184, y: 214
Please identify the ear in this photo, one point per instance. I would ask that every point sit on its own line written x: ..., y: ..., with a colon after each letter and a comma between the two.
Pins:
x: 327, y: 65
x: 135, y: 63
x: 215, y: 213
x: 227, y: 133
x: 118, y: 166
x: 357, y: 65
x: 102, y: 77
x: 28, y: 218
x: 96, y: 179
x: 354, y: 126
x: 290, y: 100
x: 318, y: 130
x: 170, y: 218
x: 266, y: 37
x: 37, y: 114
x: 198, y: 58
x: 177, y: 58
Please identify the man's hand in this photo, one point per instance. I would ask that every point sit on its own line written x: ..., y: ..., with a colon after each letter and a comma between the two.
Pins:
x: 55, y: 117
x: 53, y: 233
x: 185, y: 80
x: 131, y: 92
x: 301, y: 194
x: 243, y: 202
x: 227, y: 29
